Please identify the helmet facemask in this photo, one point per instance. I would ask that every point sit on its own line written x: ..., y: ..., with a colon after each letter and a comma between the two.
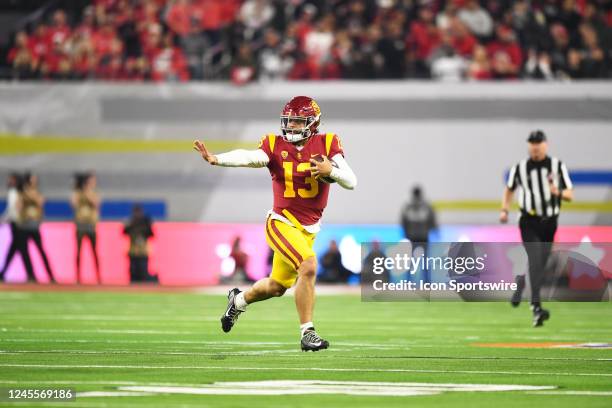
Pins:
x: 298, y: 128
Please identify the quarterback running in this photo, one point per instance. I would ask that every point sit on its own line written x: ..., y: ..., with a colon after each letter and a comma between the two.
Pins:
x: 302, y: 163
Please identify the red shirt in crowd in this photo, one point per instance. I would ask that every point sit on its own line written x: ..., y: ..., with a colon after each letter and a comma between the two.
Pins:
x: 512, y: 49
x: 423, y: 39
x: 169, y: 63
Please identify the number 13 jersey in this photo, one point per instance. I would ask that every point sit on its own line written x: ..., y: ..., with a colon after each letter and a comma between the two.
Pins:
x: 295, y: 190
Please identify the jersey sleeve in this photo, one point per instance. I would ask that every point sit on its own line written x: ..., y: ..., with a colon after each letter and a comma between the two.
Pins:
x: 266, y: 144
x: 512, y: 178
x: 333, y: 146
x: 566, y: 181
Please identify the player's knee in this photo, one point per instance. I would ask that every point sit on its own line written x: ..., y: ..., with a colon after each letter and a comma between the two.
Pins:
x: 308, y: 267
x: 276, y: 289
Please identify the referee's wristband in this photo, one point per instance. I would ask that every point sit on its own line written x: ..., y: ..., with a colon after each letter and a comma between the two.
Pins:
x: 505, y: 210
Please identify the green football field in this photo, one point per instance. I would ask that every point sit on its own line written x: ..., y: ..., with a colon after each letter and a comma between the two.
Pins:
x: 167, y: 349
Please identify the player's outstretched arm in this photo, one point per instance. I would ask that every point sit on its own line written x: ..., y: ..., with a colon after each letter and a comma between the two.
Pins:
x: 234, y: 158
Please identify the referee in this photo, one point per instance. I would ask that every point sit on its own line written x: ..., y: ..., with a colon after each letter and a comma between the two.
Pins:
x: 543, y: 182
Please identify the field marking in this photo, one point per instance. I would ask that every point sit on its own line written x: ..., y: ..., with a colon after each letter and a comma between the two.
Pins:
x: 592, y: 393
x: 205, y: 342
x: 170, y: 384
x: 282, y: 351
x: 103, y: 331
x: 548, y: 345
x: 318, y: 369
x: 301, y: 387
x: 96, y: 317
x: 115, y: 394
x: 79, y: 404
x: 171, y: 353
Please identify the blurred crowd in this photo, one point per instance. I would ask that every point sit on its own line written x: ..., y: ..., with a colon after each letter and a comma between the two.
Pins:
x: 245, y: 40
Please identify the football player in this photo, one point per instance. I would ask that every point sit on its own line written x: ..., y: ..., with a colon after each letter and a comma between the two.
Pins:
x: 302, y: 163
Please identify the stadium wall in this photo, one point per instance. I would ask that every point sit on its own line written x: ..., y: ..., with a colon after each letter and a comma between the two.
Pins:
x: 457, y: 140
x: 187, y: 254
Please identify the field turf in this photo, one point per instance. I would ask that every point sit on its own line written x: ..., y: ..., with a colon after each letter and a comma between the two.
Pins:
x: 141, y: 349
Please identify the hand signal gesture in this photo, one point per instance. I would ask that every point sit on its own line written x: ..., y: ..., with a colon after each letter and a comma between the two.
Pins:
x: 206, y: 155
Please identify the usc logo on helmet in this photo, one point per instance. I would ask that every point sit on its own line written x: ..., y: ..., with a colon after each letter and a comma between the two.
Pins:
x: 315, y: 107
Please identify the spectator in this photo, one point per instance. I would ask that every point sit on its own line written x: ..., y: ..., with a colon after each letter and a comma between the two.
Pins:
x: 392, y: 49
x: 241, y: 260
x: 185, y: 20
x: 592, y: 57
x: 139, y: 229
x: 332, y: 270
x: 255, y: 15
x: 56, y: 63
x: 317, y: 48
x: 40, y: 43
x: 538, y: 66
x: 368, y: 263
x: 479, y: 67
x: 274, y: 61
x: 83, y: 59
x: 505, y: 53
x: 212, y: 21
x: 339, y: 39
x: 127, y: 30
x: 444, y: 17
x: 244, y: 68
x: 22, y: 58
x: 559, y: 49
x: 477, y: 19
x: 59, y: 32
x: 423, y: 39
x: 446, y: 65
x: 168, y: 62
x: 87, y: 26
x: 463, y: 42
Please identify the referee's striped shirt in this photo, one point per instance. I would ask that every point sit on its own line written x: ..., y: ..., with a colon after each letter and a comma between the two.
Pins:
x: 533, y: 181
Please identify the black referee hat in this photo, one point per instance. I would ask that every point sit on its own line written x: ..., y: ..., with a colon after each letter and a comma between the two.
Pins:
x: 537, y: 136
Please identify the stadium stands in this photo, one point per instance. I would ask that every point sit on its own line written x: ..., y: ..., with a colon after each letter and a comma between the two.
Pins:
x: 179, y: 40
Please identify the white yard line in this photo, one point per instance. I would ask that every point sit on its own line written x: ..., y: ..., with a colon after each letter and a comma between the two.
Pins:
x: 318, y: 369
x: 274, y: 351
x: 593, y: 393
x: 205, y: 342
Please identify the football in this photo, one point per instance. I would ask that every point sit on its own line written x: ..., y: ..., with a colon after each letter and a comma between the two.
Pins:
x: 327, y: 180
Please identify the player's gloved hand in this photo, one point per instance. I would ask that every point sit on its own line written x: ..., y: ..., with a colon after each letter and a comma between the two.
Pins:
x: 321, y: 168
x: 206, y: 155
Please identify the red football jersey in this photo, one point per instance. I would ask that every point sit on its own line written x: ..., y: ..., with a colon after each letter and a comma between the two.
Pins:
x: 295, y: 190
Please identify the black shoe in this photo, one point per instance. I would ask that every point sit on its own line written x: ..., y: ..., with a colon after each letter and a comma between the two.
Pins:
x: 231, y: 313
x: 312, y: 342
x: 539, y: 316
x: 518, y: 294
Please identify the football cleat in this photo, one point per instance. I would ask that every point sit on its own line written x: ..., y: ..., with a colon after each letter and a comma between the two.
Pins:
x: 518, y: 294
x: 539, y: 316
x: 312, y: 342
x: 231, y: 313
